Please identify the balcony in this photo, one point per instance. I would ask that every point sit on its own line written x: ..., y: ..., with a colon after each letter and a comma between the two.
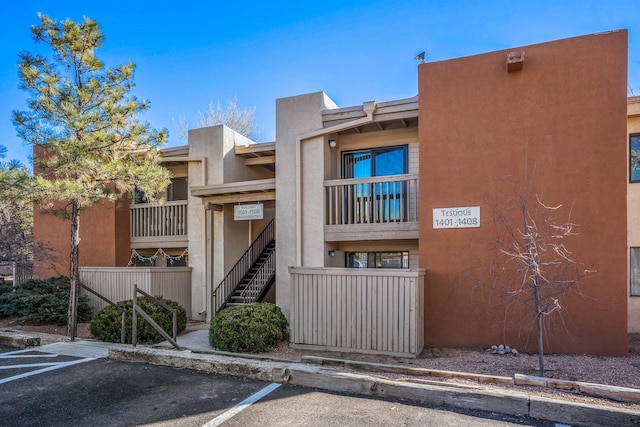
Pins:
x: 376, y: 208
x: 158, y: 225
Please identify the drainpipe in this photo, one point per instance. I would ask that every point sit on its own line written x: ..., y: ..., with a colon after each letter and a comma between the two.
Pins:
x: 369, y: 107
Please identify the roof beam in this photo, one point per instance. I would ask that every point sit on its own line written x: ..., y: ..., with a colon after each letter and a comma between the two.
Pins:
x: 266, y: 160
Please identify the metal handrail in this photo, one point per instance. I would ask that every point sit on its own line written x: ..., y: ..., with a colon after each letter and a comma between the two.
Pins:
x: 256, y: 285
x: 123, y: 338
x: 145, y: 316
x: 221, y: 293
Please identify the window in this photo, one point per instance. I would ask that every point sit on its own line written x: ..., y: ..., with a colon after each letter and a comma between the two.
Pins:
x: 372, y: 201
x: 145, y: 262
x: 634, y: 272
x: 382, y: 161
x: 177, y: 261
x: 178, y: 189
x: 397, y: 259
x: 634, y: 157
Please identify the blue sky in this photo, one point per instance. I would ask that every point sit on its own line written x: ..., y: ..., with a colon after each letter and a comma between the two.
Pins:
x: 189, y: 53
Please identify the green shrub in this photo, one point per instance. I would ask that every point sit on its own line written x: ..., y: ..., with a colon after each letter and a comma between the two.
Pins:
x: 106, y: 324
x: 43, y: 301
x: 251, y: 328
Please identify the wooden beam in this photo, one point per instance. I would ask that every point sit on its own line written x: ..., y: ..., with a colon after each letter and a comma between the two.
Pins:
x: 255, y: 148
x: 241, y: 198
x: 234, y: 187
x: 266, y: 160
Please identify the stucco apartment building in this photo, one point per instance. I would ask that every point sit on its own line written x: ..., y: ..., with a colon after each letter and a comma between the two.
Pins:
x: 370, y: 226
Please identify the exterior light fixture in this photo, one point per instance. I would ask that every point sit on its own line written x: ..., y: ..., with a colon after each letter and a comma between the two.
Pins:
x: 332, y: 143
x: 331, y: 252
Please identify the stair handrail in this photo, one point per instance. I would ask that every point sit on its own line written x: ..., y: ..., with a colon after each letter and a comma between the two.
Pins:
x: 221, y: 293
x: 122, y: 310
x: 253, y: 289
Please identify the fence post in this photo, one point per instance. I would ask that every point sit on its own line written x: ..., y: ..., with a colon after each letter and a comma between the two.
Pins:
x: 134, y: 319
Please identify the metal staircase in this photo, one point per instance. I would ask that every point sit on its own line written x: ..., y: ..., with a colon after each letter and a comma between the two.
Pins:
x: 258, y: 279
x: 252, y: 276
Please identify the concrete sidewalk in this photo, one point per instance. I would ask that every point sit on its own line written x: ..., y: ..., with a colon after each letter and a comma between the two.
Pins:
x: 198, y: 355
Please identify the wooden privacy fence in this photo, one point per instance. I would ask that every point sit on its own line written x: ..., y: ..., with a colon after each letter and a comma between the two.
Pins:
x: 359, y: 310
x: 115, y: 283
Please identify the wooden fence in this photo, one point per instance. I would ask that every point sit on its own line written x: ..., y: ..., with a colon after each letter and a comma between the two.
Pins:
x: 22, y: 272
x: 358, y: 310
x: 116, y: 283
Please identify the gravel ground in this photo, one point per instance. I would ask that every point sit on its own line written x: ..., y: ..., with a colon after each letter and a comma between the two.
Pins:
x: 615, y: 371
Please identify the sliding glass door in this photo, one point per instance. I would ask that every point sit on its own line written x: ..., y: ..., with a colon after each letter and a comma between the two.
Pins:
x: 376, y: 200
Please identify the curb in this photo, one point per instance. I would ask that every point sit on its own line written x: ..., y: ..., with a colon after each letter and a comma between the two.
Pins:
x: 12, y: 338
x: 475, y: 398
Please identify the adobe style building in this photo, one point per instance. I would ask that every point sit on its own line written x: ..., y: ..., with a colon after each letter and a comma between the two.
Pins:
x: 371, y: 226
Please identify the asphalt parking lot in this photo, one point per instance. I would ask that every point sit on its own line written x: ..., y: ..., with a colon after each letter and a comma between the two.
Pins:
x: 38, y: 388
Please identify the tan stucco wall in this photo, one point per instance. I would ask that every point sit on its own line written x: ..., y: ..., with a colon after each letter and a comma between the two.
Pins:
x: 216, y: 241
x: 560, y: 121
x: 633, y: 213
x: 294, y: 116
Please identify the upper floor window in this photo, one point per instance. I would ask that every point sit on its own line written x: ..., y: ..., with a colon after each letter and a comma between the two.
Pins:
x: 178, y: 189
x: 634, y: 157
x: 381, y: 161
x: 375, y: 200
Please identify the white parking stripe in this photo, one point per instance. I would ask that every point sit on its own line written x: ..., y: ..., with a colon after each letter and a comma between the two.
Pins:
x: 32, y: 365
x: 242, y: 405
x: 40, y: 371
x: 26, y: 356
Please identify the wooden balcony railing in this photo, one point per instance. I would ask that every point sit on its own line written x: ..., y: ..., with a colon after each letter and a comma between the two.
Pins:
x: 168, y: 219
x: 376, y: 200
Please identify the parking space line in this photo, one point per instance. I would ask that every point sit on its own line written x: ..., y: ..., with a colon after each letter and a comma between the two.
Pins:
x: 242, y: 405
x: 50, y: 368
x: 20, y: 353
x: 29, y: 365
x: 27, y: 356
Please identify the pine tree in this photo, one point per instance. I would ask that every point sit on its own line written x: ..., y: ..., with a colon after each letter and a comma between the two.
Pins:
x: 16, y: 213
x: 88, y: 144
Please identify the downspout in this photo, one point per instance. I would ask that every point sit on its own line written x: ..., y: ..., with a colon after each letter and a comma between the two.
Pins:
x: 369, y: 107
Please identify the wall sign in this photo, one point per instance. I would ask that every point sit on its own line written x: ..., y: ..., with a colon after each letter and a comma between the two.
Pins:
x: 248, y: 212
x: 464, y: 217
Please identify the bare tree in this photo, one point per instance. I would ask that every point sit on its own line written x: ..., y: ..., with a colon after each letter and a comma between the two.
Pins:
x: 241, y: 120
x: 533, y: 266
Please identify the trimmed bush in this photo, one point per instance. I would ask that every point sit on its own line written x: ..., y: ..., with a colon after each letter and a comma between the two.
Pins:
x: 43, y: 301
x: 107, y: 322
x: 251, y: 328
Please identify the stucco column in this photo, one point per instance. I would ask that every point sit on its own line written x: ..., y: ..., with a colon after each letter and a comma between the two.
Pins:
x: 294, y: 116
